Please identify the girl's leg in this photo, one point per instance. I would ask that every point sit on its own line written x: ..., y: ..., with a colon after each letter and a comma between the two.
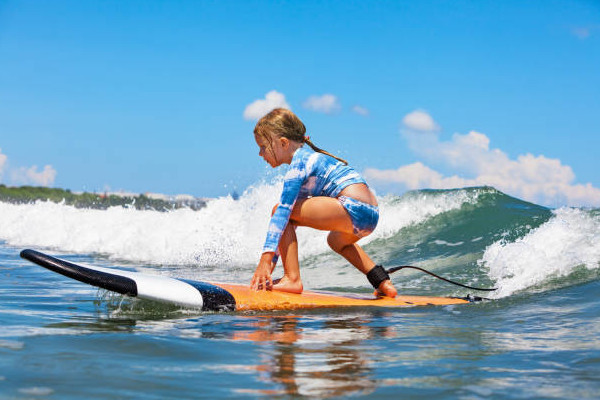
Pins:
x: 345, y: 245
x: 324, y: 213
x: 288, y: 248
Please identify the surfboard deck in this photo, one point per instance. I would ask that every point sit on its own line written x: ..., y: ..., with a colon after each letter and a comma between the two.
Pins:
x: 214, y: 296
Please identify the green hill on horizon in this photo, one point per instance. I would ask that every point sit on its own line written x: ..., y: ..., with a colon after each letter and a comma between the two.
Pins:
x: 30, y: 194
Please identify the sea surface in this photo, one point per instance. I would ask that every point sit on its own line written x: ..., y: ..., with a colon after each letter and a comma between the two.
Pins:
x: 537, y: 337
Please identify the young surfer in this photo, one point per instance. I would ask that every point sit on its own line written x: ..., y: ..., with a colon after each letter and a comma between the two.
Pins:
x: 319, y: 191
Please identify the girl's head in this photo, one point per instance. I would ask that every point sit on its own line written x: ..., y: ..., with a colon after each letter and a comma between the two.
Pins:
x: 282, y: 123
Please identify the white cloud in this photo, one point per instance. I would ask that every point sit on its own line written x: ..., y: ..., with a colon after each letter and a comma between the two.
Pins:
x: 420, y: 120
x: 258, y: 108
x: 415, y: 176
x: 31, y: 176
x: 3, y: 159
x: 327, y: 103
x: 27, y: 176
x: 360, y: 110
x: 472, y: 163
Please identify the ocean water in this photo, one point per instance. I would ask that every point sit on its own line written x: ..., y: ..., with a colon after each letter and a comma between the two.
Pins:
x: 538, y: 335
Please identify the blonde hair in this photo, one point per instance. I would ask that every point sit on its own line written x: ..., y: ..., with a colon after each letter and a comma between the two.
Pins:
x: 281, y: 122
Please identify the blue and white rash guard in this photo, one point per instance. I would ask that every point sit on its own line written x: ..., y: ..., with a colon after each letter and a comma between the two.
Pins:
x: 310, y: 174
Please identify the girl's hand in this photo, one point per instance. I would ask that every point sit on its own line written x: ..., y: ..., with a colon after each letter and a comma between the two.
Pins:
x: 262, y: 276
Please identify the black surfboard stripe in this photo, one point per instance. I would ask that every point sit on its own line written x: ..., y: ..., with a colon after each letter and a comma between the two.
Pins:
x: 214, y: 298
x: 104, y: 280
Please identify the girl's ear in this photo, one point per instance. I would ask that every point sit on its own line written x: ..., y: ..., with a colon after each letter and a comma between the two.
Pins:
x: 285, y: 142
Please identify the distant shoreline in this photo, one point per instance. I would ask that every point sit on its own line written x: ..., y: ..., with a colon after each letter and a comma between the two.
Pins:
x: 102, y: 201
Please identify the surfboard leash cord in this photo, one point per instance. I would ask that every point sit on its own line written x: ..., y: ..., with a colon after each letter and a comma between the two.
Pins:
x: 394, y: 269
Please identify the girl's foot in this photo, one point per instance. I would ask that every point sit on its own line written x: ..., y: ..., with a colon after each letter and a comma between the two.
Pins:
x: 386, y: 288
x: 285, y: 284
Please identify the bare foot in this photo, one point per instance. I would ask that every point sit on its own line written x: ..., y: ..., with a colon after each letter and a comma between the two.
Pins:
x: 286, y: 285
x: 386, y: 288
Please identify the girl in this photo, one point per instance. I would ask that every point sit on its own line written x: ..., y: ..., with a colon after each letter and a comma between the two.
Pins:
x: 320, y: 191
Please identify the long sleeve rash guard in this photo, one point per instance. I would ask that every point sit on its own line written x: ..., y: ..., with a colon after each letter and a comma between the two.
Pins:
x: 310, y: 174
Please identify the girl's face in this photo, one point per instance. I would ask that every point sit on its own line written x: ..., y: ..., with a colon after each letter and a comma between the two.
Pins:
x: 273, y: 151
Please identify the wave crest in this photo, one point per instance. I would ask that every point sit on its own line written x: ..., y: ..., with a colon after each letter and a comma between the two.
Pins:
x: 568, y: 241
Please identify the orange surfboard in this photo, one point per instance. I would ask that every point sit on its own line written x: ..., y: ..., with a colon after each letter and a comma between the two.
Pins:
x: 248, y: 299
x: 220, y: 296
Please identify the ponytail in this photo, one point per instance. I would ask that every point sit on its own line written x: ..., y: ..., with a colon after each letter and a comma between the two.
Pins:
x: 319, y: 150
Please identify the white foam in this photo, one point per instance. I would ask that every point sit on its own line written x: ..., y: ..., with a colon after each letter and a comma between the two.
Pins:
x: 570, y: 239
x: 12, y: 344
x: 397, y: 213
x: 36, y: 391
x: 227, y: 233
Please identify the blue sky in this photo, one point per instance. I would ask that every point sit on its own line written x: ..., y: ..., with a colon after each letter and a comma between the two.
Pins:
x: 153, y: 95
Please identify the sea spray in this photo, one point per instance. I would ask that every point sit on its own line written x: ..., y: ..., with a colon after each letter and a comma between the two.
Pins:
x: 225, y: 231
x: 569, y: 240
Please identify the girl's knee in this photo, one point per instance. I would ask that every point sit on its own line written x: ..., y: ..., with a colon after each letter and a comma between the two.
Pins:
x: 337, y: 242
x: 333, y: 243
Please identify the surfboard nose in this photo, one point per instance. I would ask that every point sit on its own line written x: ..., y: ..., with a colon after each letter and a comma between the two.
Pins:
x: 101, y: 279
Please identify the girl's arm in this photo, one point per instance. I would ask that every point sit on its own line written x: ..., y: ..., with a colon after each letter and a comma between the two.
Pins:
x: 291, y: 188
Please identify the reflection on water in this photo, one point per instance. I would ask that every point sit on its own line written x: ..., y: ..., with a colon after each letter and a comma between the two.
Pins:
x: 328, y: 360
x: 320, y: 354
